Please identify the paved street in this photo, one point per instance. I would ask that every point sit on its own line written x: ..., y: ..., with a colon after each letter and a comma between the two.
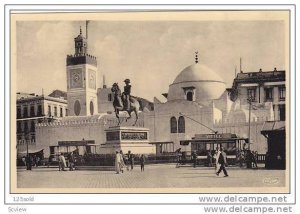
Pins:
x: 154, y: 176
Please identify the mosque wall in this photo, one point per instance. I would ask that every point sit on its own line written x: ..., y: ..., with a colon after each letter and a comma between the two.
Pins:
x: 160, y: 126
x: 49, y: 134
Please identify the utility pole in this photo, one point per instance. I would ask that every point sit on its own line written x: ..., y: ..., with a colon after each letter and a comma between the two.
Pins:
x: 250, y: 100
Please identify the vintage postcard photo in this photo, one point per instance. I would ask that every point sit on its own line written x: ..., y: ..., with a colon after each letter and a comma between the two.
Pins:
x: 150, y: 102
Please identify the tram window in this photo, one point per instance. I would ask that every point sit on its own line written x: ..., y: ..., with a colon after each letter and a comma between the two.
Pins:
x: 200, y: 148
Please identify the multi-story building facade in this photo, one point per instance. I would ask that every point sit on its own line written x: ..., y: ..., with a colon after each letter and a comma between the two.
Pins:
x: 262, y: 88
x: 32, y: 109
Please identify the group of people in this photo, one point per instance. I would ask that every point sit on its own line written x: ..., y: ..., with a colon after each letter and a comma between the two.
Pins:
x: 220, y: 157
x: 31, y: 160
x: 249, y: 157
x: 122, y: 161
x: 62, y: 164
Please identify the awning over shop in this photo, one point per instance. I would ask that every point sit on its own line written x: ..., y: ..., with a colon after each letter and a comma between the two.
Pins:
x: 162, y: 142
x: 76, y: 143
x: 30, y: 151
x: 271, y: 126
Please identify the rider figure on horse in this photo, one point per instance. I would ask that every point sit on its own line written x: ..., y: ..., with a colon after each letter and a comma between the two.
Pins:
x: 124, y: 102
x: 127, y: 92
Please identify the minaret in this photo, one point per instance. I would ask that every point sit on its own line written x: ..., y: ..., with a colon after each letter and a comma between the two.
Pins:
x: 81, y: 79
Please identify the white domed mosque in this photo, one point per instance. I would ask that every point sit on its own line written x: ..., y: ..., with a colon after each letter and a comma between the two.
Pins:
x: 199, y: 103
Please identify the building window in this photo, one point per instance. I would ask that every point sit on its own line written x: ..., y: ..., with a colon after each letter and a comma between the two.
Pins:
x: 281, y: 109
x: 173, y: 124
x: 281, y: 93
x: 251, y: 93
x: 55, y: 111
x: 32, y: 113
x: 189, y: 96
x: 33, y: 139
x: 92, y: 108
x: 189, y: 93
x: 25, y: 127
x: 77, y: 107
x: 25, y: 112
x: 109, y: 97
x: 19, y: 127
x: 181, y: 125
x: 40, y: 111
x: 61, y: 112
x: 19, y: 139
x: 19, y: 114
x: 268, y: 94
x: 49, y: 111
x: 66, y: 112
x: 32, y: 128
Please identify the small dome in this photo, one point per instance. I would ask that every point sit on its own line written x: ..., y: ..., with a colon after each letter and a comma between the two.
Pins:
x: 198, y: 83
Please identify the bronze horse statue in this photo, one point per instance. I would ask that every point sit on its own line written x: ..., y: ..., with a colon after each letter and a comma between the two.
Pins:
x: 118, y: 104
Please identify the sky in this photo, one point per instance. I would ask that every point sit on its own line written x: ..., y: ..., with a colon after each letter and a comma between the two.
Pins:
x: 150, y: 53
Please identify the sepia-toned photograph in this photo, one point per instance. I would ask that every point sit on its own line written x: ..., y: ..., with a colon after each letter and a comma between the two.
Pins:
x: 150, y: 102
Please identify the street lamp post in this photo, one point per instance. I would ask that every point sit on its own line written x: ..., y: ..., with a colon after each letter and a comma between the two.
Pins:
x: 28, y: 159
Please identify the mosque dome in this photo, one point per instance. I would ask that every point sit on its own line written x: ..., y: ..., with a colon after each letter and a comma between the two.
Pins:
x: 198, y: 83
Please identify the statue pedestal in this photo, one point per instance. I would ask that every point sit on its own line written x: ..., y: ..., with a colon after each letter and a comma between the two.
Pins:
x: 135, y: 139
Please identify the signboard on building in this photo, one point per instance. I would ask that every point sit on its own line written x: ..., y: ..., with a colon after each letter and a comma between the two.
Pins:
x: 214, y: 136
x: 134, y: 135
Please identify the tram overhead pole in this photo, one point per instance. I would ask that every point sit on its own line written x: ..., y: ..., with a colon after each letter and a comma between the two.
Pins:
x: 212, y: 130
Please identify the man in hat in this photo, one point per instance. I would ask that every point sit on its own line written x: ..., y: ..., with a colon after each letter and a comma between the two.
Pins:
x: 222, y: 160
x: 127, y: 92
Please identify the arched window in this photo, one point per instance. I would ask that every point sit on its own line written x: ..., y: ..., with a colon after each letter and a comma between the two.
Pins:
x: 181, y: 125
x: 189, y: 96
x: 77, y: 107
x: 92, y: 108
x: 173, y: 124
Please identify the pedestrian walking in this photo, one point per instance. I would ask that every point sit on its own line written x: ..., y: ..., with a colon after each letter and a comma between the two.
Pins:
x: 194, y: 158
x: 178, y: 157
x: 131, y: 159
x: 209, y: 158
x: 217, y: 165
x: 253, y: 159
x: 24, y: 160
x: 37, y: 159
x: 142, y: 161
x: 29, y: 162
x: 61, y: 162
x: 71, y: 161
x: 119, y: 163
x: 123, y: 159
x: 222, y: 160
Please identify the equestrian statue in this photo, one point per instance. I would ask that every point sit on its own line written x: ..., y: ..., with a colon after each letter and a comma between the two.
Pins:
x: 124, y: 101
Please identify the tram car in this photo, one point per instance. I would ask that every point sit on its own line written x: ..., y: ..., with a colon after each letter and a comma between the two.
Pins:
x: 204, y: 146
